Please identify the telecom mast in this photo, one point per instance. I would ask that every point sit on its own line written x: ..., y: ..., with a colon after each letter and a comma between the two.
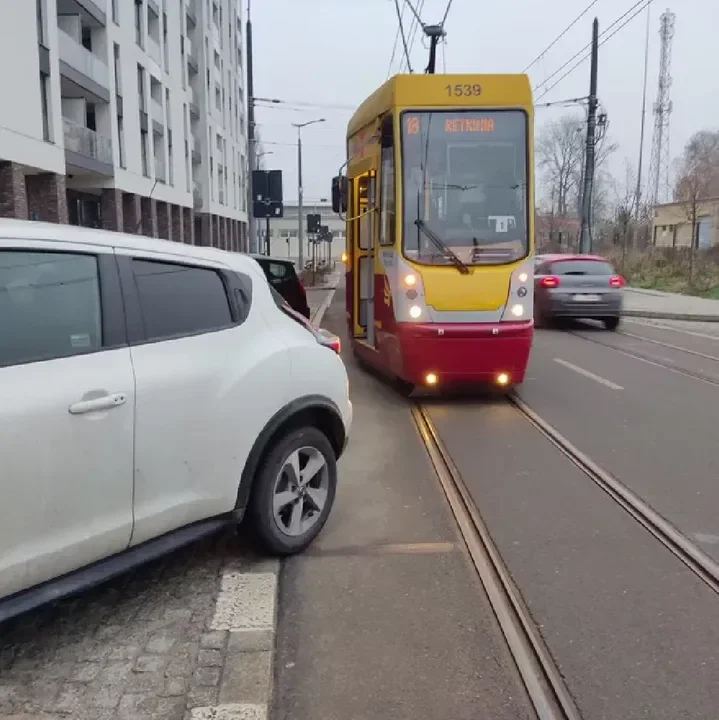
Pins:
x: 658, y: 187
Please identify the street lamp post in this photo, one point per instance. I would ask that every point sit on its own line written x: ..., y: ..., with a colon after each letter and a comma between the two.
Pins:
x: 300, y: 226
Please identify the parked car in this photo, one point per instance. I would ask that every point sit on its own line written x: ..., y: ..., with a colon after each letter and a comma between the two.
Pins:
x: 152, y: 393
x: 281, y: 274
x: 577, y: 286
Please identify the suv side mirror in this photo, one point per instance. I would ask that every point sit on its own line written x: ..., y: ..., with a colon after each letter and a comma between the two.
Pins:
x: 339, y: 194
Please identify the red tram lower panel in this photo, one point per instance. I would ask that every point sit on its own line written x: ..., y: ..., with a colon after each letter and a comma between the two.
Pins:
x: 464, y: 353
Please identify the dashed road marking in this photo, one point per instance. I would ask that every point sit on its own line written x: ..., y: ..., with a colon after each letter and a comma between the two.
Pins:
x: 588, y: 374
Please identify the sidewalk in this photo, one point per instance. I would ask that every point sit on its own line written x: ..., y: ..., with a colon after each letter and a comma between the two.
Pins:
x: 669, y: 306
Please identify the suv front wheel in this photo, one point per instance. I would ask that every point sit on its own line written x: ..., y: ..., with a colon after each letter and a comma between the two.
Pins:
x: 294, y: 491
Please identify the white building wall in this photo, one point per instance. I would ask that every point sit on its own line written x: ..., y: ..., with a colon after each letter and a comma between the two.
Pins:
x: 21, y: 123
x: 21, y: 118
x: 284, y: 240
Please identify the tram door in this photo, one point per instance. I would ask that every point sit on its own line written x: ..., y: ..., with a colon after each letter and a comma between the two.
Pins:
x: 364, y: 220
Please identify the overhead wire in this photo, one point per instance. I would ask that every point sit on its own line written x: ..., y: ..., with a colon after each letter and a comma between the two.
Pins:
x: 604, y: 37
x: 415, y: 25
x: 561, y: 35
x: 400, y: 33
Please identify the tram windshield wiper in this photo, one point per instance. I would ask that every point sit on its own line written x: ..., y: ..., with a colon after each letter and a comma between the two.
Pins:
x: 434, y: 238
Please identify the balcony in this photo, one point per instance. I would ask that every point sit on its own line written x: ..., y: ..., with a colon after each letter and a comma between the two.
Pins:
x: 160, y: 170
x: 197, y: 195
x: 191, y: 58
x: 153, y: 50
x: 191, y: 10
x: 194, y: 102
x: 78, y: 58
x: 87, y: 149
x: 156, y: 112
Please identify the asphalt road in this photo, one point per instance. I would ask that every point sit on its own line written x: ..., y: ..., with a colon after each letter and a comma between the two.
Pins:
x: 384, y: 617
x: 633, y: 631
x: 637, y: 416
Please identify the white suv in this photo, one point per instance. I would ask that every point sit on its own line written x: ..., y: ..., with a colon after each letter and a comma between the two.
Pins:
x: 151, y: 393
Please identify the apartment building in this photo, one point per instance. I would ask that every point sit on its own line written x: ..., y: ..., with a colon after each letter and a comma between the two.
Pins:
x: 127, y: 115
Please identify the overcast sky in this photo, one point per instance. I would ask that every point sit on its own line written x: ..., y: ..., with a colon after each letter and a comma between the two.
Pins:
x: 336, y: 52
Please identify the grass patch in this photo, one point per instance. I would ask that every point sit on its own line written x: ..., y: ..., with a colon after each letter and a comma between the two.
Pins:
x: 667, y: 269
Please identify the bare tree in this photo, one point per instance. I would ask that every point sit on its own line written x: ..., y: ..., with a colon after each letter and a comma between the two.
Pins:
x: 701, y: 152
x: 697, y: 173
x: 625, y: 197
x: 560, y: 152
x: 559, y: 155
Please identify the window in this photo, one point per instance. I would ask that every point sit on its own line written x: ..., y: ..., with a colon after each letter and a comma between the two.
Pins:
x: 581, y: 267
x: 49, y: 306
x: 387, y: 188
x: 466, y: 182
x: 121, y: 141
x: 180, y: 300
x: 143, y: 153
x: 115, y: 17
x: 141, y: 87
x: 139, y: 35
x: 45, y: 103
x: 39, y: 11
x: 116, y: 67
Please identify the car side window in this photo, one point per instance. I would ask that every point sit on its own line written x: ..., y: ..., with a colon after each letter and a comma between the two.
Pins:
x: 49, y: 305
x: 177, y: 300
x: 278, y: 271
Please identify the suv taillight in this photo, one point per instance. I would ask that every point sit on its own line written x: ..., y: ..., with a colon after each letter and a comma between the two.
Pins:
x: 616, y: 281
x: 550, y: 281
x: 323, y: 337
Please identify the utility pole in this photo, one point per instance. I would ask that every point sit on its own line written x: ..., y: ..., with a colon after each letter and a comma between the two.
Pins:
x: 638, y: 191
x: 300, y: 213
x: 252, y: 231
x: 585, y: 238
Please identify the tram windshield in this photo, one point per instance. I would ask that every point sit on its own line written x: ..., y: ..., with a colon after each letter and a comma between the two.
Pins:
x: 465, y: 180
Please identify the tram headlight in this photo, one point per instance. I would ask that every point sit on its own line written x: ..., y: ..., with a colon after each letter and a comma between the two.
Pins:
x: 430, y: 378
x: 415, y: 311
x: 522, y: 277
x: 410, y: 280
x: 517, y: 310
x: 503, y: 379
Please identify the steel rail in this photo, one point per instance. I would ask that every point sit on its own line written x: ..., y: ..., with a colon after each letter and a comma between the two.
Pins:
x: 541, y: 677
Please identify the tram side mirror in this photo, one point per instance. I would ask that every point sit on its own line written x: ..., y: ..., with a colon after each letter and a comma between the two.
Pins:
x: 339, y: 194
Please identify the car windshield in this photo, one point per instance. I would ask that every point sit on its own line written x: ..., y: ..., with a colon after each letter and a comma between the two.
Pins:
x: 465, y: 179
x: 581, y: 267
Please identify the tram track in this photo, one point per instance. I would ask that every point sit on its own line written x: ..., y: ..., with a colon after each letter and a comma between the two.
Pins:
x: 542, y: 678
x: 653, y: 360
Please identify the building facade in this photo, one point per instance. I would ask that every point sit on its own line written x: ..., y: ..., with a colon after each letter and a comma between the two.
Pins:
x: 284, y: 233
x: 127, y: 115
x: 672, y: 226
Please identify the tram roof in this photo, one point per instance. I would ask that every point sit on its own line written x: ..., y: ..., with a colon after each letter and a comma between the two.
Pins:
x: 420, y: 90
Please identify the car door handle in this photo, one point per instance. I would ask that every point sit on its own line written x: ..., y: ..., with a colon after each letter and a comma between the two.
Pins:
x: 106, y: 402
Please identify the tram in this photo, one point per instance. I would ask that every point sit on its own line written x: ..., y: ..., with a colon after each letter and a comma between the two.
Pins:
x: 438, y: 197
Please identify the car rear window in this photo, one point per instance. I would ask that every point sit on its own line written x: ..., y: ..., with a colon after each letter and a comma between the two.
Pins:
x: 580, y: 267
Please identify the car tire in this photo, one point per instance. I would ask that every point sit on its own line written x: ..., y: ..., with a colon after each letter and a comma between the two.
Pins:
x: 277, y: 492
x: 611, y: 323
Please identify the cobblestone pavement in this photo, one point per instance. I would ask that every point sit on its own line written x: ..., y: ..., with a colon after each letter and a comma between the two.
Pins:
x: 155, y: 643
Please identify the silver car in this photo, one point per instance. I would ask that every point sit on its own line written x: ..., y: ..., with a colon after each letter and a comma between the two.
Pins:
x: 577, y: 286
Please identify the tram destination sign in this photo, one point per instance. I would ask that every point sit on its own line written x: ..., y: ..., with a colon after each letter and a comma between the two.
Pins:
x: 461, y: 124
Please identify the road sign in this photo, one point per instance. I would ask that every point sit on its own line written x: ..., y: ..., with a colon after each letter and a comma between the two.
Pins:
x: 267, y: 191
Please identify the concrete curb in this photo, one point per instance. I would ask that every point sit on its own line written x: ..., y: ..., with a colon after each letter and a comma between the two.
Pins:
x: 658, y: 315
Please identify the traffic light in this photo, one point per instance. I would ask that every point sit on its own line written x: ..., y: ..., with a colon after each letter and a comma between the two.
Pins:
x: 313, y: 223
x: 267, y: 192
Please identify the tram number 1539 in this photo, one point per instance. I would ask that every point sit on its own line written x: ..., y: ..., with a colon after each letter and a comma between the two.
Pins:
x: 460, y: 90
